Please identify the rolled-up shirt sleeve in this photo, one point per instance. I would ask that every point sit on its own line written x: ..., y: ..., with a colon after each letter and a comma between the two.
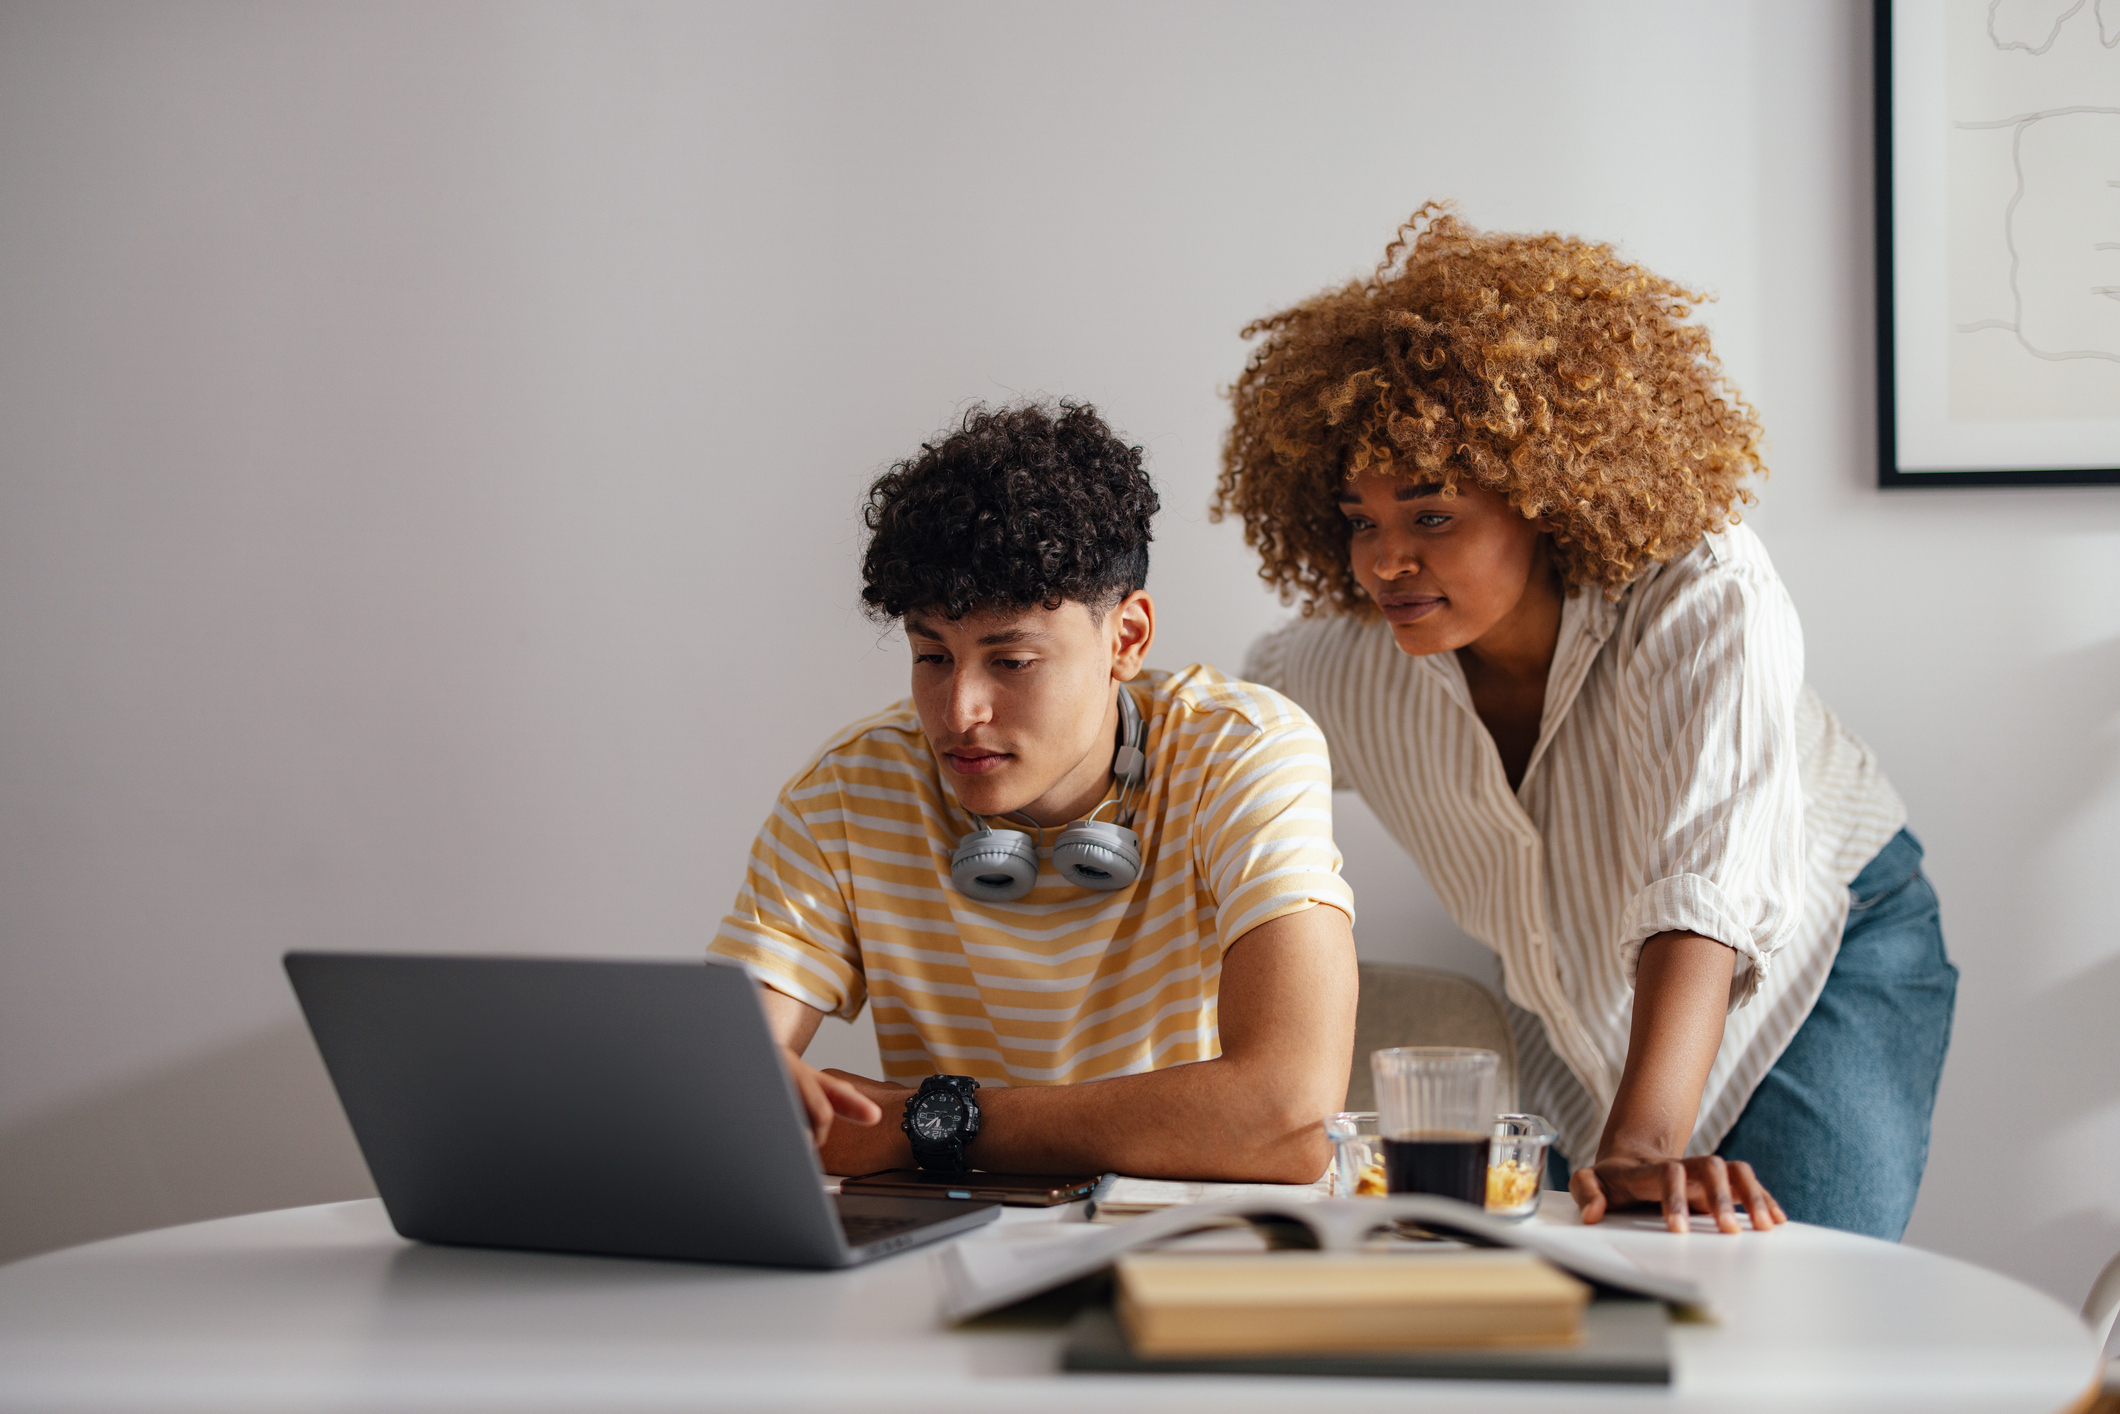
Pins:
x: 1263, y: 834
x: 1716, y: 808
x: 791, y: 927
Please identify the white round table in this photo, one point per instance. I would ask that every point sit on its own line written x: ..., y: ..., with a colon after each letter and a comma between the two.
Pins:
x: 326, y: 1308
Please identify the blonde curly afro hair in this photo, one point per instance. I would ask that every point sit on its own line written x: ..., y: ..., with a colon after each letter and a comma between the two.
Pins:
x: 1542, y: 367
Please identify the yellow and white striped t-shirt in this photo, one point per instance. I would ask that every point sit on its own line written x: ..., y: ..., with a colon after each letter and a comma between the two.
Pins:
x: 848, y: 894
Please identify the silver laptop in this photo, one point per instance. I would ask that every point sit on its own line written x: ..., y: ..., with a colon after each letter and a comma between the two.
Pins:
x: 633, y: 1109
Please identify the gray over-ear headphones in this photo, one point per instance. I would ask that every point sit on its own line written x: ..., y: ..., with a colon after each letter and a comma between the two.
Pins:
x: 999, y: 865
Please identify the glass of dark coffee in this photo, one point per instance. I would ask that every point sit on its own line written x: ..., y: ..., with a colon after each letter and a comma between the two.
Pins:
x: 1435, y: 1111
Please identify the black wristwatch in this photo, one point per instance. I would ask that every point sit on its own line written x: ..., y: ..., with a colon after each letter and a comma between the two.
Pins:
x: 941, y: 1119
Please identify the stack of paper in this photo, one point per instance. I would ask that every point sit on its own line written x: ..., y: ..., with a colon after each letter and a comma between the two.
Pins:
x: 1130, y: 1197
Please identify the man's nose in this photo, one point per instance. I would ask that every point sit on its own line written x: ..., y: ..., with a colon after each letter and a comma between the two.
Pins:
x: 969, y: 702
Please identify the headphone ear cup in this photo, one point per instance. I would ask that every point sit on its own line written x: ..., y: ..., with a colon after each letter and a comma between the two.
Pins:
x: 1094, y: 854
x: 995, y: 865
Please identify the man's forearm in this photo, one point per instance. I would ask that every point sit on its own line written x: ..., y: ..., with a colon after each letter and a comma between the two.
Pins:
x: 1210, y: 1120
x: 1681, y: 996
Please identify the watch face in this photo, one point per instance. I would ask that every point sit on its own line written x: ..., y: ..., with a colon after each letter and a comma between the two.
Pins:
x: 937, y: 1117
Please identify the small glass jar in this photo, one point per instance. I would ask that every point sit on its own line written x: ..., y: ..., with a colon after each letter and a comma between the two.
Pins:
x: 1516, y: 1165
x: 1358, y: 1154
x: 1516, y: 1160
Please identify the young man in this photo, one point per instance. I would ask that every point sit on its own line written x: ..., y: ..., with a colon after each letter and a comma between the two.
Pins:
x: 1190, y: 1014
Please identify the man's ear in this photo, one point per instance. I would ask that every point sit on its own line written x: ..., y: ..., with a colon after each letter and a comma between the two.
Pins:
x: 1133, y: 629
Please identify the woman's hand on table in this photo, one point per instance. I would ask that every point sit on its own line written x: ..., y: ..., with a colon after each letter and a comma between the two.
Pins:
x: 1681, y: 1187
x: 1681, y: 992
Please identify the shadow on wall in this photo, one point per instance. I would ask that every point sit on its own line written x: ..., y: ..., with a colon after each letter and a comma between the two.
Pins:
x: 2063, y: 1085
x: 2092, y: 1238
x: 2035, y: 1054
x: 246, y: 1127
x: 2082, y: 691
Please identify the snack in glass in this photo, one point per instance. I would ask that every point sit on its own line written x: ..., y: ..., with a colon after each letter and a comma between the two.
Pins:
x: 1357, y: 1154
x: 1516, y: 1165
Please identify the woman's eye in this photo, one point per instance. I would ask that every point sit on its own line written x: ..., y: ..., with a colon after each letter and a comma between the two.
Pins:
x: 1357, y: 524
x: 919, y: 658
x: 1431, y: 520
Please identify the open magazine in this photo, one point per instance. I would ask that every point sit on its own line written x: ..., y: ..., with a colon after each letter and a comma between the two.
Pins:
x: 979, y: 1277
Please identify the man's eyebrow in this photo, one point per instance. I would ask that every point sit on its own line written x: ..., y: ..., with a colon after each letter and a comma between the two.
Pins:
x: 1403, y: 492
x: 919, y: 628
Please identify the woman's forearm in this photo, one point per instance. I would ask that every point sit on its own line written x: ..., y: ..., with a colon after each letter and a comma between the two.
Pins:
x: 1681, y: 995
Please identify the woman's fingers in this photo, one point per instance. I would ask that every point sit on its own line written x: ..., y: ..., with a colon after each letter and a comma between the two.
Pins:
x: 1758, y: 1202
x: 1680, y: 1187
x: 1677, y: 1212
x: 1715, y: 1179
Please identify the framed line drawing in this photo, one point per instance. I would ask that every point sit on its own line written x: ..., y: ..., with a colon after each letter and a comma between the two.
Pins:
x: 1998, y: 242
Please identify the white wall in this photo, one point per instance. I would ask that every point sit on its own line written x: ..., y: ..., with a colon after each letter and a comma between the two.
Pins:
x: 430, y: 435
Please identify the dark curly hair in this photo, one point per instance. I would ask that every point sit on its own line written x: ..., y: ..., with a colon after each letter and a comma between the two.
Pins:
x: 1030, y: 504
x: 1544, y: 367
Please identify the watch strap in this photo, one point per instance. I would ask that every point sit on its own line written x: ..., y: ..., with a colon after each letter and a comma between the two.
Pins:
x: 946, y: 1157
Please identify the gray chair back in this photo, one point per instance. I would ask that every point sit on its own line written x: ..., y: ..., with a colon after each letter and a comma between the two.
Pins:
x: 1422, y: 1006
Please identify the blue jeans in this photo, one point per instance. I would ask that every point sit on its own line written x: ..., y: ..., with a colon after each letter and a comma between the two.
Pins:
x: 1839, y: 1129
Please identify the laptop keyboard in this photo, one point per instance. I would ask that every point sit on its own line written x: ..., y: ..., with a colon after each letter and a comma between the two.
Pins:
x: 861, y: 1228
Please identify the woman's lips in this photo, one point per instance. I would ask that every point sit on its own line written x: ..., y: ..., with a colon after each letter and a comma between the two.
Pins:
x: 976, y: 763
x: 1408, y: 608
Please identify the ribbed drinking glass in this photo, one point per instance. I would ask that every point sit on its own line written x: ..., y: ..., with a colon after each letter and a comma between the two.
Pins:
x: 1435, y: 1111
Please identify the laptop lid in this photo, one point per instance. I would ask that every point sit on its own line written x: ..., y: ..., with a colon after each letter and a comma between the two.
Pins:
x: 627, y: 1108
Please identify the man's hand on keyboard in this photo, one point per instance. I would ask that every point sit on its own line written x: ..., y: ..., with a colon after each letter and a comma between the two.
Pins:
x: 828, y: 1095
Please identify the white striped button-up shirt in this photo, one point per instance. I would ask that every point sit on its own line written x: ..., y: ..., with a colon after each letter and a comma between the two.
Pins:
x: 1685, y: 779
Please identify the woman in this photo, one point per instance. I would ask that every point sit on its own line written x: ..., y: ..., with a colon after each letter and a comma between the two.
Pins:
x: 1504, y: 476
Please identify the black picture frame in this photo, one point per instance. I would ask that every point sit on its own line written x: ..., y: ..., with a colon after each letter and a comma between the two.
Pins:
x: 1890, y: 474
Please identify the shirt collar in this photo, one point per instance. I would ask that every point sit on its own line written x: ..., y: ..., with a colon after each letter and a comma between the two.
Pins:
x: 1587, y: 620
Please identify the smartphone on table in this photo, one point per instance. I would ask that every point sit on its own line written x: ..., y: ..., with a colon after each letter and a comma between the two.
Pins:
x: 1018, y: 1190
